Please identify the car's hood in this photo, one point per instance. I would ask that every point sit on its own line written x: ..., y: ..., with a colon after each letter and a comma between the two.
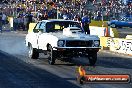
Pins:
x: 75, y: 36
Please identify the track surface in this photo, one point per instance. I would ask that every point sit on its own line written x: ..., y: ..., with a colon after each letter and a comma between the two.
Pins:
x: 19, y: 71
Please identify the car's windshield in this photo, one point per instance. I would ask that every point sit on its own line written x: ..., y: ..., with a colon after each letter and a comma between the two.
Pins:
x: 60, y: 25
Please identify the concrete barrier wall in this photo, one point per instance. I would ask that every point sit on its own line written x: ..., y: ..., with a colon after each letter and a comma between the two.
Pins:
x: 101, y: 31
x: 98, y: 28
x: 31, y: 27
x: 104, y: 42
x: 114, y: 33
x: 129, y: 37
x: 120, y: 45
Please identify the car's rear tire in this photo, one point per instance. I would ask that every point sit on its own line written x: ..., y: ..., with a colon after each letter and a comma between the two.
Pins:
x: 33, y: 53
x: 92, y: 58
x: 51, y: 55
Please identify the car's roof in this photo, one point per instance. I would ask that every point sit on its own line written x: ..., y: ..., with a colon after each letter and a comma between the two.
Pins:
x: 54, y: 20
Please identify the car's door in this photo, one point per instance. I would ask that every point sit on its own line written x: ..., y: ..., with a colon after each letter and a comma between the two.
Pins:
x: 35, y: 35
x: 42, y: 39
x: 47, y: 36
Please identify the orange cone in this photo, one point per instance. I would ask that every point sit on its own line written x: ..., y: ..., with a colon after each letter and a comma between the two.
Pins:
x: 106, y: 32
x: 81, y: 71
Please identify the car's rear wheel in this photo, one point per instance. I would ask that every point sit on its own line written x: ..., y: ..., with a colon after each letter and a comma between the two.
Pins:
x: 51, y: 55
x: 92, y: 58
x: 33, y: 53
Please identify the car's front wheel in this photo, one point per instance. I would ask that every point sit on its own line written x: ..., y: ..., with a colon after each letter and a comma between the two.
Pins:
x: 92, y: 58
x: 51, y: 55
x: 33, y: 53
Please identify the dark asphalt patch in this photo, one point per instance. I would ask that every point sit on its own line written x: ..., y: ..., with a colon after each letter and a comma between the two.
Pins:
x: 17, y: 74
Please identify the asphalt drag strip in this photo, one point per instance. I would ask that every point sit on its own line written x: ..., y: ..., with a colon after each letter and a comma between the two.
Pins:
x: 17, y: 74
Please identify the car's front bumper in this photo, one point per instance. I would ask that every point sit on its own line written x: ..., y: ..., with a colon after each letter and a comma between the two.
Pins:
x: 74, y: 51
x: 76, y: 48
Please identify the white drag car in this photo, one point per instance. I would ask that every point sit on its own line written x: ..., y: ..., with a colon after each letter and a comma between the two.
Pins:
x: 61, y: 38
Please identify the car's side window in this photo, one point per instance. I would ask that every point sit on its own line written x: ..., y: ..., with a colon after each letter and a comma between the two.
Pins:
x: 42, y: 26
